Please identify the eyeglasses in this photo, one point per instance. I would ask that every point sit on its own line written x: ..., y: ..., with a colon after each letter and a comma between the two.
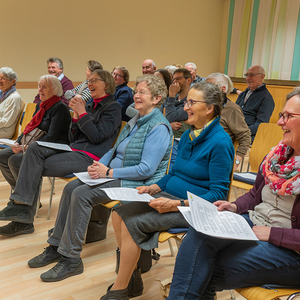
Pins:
x: 117, y: 75
x: 190, y: 103
x: 179, y: 77
x: 251, y: 74
x: 3, y: 78
x: 286, y: 116
x: 142, y: 92
x: 94, y: 80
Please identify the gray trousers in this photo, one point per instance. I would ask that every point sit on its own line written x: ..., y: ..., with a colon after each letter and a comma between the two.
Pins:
x: 75, y: 207
x: 41, y: 161
x: 10, y: 164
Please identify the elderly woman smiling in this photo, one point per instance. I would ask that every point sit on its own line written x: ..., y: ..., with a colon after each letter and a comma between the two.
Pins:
x: 131, y: 163
x: 272, y: 208
x: 203, y: 166
x: 11, y: 104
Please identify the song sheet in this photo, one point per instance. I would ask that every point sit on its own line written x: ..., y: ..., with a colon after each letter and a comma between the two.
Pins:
x: 205, y: 218
x: 127, y: 194
x: 8, y: 142
x: 57, y: 146
x: 86, y: 178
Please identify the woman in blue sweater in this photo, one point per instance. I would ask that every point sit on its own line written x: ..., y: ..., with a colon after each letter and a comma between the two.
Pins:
x: 203, y: 166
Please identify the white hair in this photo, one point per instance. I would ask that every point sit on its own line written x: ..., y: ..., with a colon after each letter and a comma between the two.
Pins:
x: 191, y: 63
x: 53, y: 81
x: 171, y: 68
x: 222, y: 80
x: 9, y: 73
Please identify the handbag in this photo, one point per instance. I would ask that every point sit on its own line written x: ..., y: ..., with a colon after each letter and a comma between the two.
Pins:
x: 32, y: 136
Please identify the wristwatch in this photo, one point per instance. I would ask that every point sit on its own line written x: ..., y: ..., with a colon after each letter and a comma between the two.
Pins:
x: 107, y: 173
x: 237, y: 162
x: 182, y: 203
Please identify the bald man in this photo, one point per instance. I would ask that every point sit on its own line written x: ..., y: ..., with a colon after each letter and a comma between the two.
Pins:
x: 148, y: 67
x: 256, y: 101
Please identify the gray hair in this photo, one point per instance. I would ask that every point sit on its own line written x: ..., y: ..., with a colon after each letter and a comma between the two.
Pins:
x: 295, y: 92
x: 211, y: 94
x: 9, y: 73
x: 191, y: 63
x: 171, y: 68
x: 56, y: 60
x: 110, y: 85
x: 156, y: 86
x: 53, y: 81
x: 124, y: 71
x: 222, y: 80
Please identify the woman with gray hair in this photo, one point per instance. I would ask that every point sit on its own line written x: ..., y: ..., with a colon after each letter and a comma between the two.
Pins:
x: 131, y: 162
x: 202, y: 167
x: 11, y: 104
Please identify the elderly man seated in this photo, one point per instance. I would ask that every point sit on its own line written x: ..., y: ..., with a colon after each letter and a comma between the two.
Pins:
x: 148, y: 67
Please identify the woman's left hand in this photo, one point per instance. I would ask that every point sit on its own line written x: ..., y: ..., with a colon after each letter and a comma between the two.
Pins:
x: 97, y: 170
x: 262, y: 232
x: 164, y: 205
x: 77, y: 105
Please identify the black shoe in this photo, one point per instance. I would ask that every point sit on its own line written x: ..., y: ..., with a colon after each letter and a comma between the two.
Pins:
x: 65, y: 268
x: 16, y: 228
x: 135, y: 287
x: 49, y: 256
x: 115, y: 295
x: 14, y: 212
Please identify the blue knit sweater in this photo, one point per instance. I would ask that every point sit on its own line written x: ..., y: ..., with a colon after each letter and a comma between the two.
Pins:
x: 202, y: 166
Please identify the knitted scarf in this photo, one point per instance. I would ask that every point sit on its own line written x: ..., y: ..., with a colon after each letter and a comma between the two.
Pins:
x: 282, y: 174
x: 7, y: 93
x: 196, y: 132
x: 38, y: 117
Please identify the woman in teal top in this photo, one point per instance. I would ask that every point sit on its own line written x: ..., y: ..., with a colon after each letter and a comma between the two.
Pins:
x: 203, y: 167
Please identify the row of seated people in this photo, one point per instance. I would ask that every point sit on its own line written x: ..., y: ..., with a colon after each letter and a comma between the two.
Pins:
x: 203, y: 165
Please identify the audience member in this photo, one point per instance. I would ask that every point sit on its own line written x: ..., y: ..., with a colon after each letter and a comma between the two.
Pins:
x: 82, y: 91
x: 56, y: 67
x: 131, y: 162
x: 206, y: 264
x: 256, y: 101
x: 148, y: 66
x: 171, y: 69
x: 11, y: 104
x: 123, y: 93
x: 232, y: 118
x: 203, y: 166
x: 165, y: 75
x: 174, y: 104
x: 192, y: 68
x: 94, y: 128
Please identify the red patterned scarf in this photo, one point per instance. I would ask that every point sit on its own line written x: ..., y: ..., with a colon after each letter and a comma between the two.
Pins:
x: 38, y: 117
x: 280, y: 172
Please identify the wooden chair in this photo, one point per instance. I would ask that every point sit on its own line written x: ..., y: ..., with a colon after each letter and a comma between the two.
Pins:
x: 30, y: 109
x: 259, y: 293
x: 279, y: 104
x: 268, y: 135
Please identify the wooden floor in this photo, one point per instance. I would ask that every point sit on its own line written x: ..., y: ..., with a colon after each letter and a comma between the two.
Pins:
x: 19, y: 282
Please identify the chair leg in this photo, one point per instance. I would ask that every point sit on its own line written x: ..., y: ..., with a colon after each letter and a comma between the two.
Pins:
x: 52, y: 184
x: 232, y: 295
x: 171, y: 248
x: 39, y: 200
x: 51, y: 181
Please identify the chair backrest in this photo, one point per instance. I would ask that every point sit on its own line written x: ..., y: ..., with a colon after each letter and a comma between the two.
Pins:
x: 30, y: 108
x: 268, y: 135
x: 279, y: 104
x: 168, y: 167
x: 16, y: 134
x: 122, y: 126
x: 235, y: 145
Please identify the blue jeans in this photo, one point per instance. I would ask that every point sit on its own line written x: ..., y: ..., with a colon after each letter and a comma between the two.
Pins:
x: 205, y: 264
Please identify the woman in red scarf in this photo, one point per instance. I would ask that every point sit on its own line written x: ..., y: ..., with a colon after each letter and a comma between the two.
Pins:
x: 272, y: 208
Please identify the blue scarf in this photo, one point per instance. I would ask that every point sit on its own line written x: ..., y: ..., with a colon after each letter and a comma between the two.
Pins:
x: 7, y: 93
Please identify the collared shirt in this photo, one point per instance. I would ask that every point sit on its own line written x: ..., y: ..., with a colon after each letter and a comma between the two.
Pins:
x: 61, y: 76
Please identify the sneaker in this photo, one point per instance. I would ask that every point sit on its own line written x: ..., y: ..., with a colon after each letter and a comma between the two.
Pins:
x: 16, y: 228
x: 49, y: 256
x: 14, y: 212
x: 65, y: 268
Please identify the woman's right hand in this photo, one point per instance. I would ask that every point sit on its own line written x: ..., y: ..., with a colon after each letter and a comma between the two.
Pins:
x: 17, y: 149
x: 151, y: 189
x: 225, y: 205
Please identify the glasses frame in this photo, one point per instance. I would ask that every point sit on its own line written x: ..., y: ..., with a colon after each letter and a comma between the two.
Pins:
x: 287, y: 114
x: 117, y: 75
x: 190, y: 103
x: 141, y: 93
x: 94, y: 80
x: 178, y: 78
x: 251, y: 74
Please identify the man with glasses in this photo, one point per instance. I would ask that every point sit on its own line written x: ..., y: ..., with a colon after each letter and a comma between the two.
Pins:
x: 173, y: 106
x: 55, y: 67
x: 256, y: 101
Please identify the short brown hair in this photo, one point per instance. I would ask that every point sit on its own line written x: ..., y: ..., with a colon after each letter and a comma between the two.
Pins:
x: 110, y: 85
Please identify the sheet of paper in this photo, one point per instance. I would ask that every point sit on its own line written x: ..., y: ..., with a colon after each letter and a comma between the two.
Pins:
x: 205, y: 218
x: 85, y: 178
x: 127, y: 194
x: 247, y: 175
x: 57, y: 146
x: 8, y: 142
